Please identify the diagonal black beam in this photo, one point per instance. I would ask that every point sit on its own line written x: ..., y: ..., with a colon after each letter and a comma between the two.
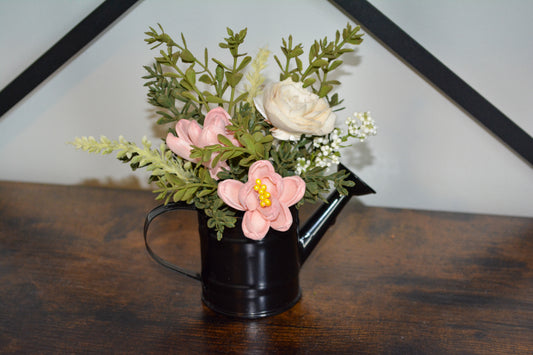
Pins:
x: 437, y: 73
x: 90, y: 27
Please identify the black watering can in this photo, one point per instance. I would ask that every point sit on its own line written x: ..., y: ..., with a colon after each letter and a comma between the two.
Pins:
x: 251, y: 279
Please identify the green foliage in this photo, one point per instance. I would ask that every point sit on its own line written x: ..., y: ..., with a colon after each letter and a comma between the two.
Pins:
x: 165, y: 91
x: 220, y: 216
x: 322, y: 59
x: 176, y: 75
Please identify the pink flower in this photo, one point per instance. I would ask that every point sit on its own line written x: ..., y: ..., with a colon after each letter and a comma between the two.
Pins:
x: 191, y: 133
x: 266, y: 198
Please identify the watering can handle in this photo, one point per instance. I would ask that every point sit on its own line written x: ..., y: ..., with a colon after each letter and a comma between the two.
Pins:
x: 157, y: 211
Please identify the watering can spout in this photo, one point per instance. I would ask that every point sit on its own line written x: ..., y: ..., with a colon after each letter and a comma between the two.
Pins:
x: 324, y: 217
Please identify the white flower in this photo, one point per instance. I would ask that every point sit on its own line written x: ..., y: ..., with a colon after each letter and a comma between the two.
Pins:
x: 302, y: 165
x: 294, y: 111
x: 361, y: 125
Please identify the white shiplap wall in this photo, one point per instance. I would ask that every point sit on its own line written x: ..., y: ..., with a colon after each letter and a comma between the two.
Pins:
x: 428, y: 153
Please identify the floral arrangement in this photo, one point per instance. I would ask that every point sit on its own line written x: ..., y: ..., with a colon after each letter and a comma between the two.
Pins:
x: 237, y: 142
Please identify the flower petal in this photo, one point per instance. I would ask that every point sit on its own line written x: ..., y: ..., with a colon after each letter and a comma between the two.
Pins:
x: 217, y: 117
x: 293, y: 110
x: 248, y: 196
x: 254, y: 226
x: 228, y: 191
x: 215, y: 123
x: 189, y: 131
x: 293, y: 190
x: 209, y: 135
x: 284, y: 135
x: 258, y: 101
x: 259, y: 169
x: 213, y: 171
x: 179, y: 146
x: 271, y: 212
x: 284, y: 220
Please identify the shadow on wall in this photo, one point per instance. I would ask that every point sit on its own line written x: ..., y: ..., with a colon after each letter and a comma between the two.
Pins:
x: 358, y: 156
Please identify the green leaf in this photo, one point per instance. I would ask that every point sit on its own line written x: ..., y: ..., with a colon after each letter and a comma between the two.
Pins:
x: 230, y: 154
x: 215, y: 160
x: 172, y: 75
x: 204, y: 192
x: 299, y: 64
x: 190, y: 75
x: 257, y: 136
x: 214, y: 99
x: 165, y: 101
x: 332, y: 82
x: 182, y: 39
x: 246, y: 60
x: 242, y: 34
x: 219, y: 73
x: 233, y: 78
x: 178, y: 195
x: 206, y: 79
x: 206, y: 155
x: 219, y: 63
x: 248, y: 141
x: 196, y: 153
x: 189, y: 193
x: 187, y: 56
x: 319, y: 63
x: 241, y: 97
x: 312, y: 187
x: 313, y: 51
x: 335, y: 64
x: 297, y: 51
x: 224, y: 140
x: 247, y: 161
x: 266, y: 139
x: 185, y: 84
x: 189, y: 95
x: 277, y: 61
x: 324, y: 90
x: 345, y: 50
x: 334, y: 100
x: 166, y: 118
x: 309, y: 82
x: 259, y: 149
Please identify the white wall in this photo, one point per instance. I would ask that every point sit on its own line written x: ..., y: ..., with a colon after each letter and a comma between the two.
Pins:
x: 428, y: 154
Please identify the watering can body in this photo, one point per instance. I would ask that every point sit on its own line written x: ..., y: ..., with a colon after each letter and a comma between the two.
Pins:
x: 251, y: 279
x: 248, y: 278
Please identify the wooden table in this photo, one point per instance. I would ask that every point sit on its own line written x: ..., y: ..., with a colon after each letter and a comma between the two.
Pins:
x: 75, y: 278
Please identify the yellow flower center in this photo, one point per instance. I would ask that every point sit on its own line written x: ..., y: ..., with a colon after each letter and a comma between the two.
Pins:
x: 264, y: 195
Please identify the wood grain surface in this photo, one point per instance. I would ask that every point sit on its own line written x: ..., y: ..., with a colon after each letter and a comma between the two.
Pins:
x: 75, y: 278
